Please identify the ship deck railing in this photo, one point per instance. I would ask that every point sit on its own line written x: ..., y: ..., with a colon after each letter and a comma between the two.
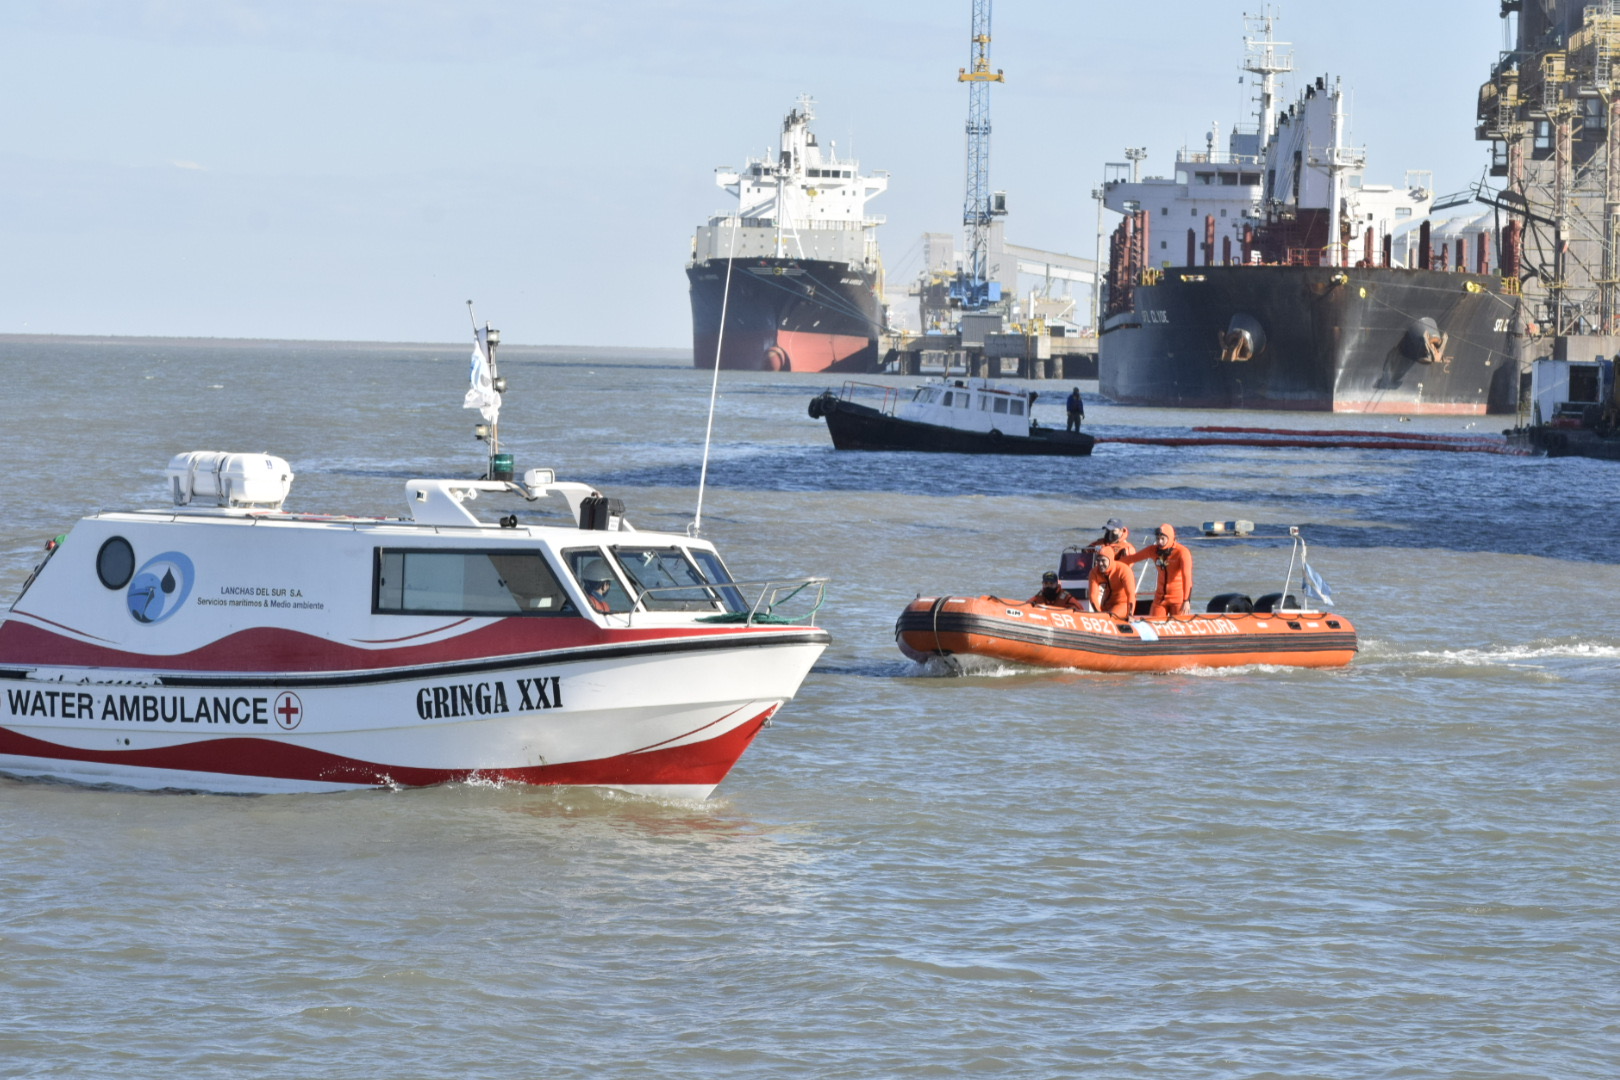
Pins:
x: 889, y: 395
x: 729, y: 600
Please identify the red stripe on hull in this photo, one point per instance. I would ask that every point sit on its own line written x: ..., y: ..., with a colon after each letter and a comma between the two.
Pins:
x: 702, y: 764
x: 1384, y: 407
x: 817, y: 352
x: 279, y: 651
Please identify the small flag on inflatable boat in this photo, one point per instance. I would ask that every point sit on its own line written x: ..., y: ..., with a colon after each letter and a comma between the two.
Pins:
x: 481, y: 394
x: 1314, y: 582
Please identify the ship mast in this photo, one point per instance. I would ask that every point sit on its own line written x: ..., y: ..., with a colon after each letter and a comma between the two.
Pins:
x: 1261, y: 57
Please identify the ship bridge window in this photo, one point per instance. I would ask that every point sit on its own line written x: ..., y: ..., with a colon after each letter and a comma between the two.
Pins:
x: 466, y: 582
x: 664, y: 579
x: 1205, y: 177
x: 1250, y: 179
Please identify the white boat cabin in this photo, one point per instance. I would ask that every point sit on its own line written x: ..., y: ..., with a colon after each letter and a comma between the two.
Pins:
x: 970, y: 405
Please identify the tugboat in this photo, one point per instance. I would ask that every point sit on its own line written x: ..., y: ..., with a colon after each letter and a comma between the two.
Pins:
x: 1574, y: 409
x: 949, y: 415
x: 1234, y: 631
x: 226, y: 644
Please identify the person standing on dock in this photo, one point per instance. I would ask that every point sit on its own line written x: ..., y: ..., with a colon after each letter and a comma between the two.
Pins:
x: 1077, y: 410
x: 1112, y: 587
x: 1173, y: 593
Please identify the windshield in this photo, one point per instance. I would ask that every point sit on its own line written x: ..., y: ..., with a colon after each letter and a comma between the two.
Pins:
x: 715, y: 571
x: 594, y: 572
x: 664, y: 579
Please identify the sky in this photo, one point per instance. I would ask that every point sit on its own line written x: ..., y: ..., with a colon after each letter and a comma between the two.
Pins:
x: 359, y: 169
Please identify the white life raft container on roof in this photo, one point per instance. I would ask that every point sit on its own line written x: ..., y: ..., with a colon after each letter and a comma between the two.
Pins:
x: 243, y: 481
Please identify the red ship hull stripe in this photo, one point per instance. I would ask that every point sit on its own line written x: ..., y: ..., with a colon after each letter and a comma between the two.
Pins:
x: 700, y: 764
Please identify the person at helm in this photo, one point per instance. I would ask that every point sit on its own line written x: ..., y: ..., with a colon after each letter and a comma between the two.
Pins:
x: 1112, y: 587
x: 1115, y: 539
x: 1173, y: 593
x: 1054, y: 595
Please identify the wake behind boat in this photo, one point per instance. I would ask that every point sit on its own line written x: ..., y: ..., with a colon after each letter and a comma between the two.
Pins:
x: 949, y: 415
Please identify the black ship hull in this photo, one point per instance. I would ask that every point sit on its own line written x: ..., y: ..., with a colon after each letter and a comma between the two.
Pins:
x: 1566, y: 442
x: 1415, y: 342
x: 785, y: 315
x: 861, y: 427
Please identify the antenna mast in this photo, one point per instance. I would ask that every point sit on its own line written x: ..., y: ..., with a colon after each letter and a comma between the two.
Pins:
x: 1261, y: 56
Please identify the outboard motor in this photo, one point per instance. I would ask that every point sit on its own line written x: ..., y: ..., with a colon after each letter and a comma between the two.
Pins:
x: 1243, y: 340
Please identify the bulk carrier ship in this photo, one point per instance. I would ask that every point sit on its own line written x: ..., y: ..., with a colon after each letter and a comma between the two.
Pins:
x: 1270, y: 276
x: 795, y: 268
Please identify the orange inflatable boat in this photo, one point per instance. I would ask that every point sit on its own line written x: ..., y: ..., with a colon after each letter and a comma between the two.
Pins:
x: 1233, y: 632
x: 1021, y: 633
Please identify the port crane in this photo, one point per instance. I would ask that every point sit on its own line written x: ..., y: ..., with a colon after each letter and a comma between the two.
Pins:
x: 971, y: 291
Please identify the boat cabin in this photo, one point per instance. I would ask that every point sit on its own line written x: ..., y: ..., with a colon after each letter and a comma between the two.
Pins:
x: 970, y: 405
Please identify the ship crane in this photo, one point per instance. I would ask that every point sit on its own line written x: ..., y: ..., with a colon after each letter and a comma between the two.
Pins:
x: 971, y: 291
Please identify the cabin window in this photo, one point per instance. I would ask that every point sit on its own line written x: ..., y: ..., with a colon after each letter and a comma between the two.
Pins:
x: 593, y: 570
x: 1001, y: 405
x: 947, y: 400
x: 664, y: 579
x: 1583, y: 383
x: 480, y: 582
x: 964, y: 401
x: 1016, y: 407
x: 715, y: 572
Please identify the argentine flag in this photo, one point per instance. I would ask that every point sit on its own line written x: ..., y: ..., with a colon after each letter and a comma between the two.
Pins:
x: 481, y: 394
x: 1314, y: 583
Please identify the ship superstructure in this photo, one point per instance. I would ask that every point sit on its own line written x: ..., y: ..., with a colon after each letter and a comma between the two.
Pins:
x: 795, y: 266
x: 1270, y: 274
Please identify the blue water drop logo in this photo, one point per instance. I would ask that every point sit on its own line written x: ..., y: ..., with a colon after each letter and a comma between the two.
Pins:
x: 160, y: 587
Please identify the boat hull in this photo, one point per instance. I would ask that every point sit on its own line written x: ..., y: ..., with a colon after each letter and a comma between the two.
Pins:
x: 1327, y: 339
x: 785, y: 315
x: 854, y: 426
x: 1565, y: 442
x: 658, y: 716
x: 1020, y: 633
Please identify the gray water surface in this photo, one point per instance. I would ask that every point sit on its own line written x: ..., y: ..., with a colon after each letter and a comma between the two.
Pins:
x: 1402, y: 869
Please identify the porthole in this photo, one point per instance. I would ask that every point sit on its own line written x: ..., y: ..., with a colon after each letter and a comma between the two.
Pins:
x: 115, y: 563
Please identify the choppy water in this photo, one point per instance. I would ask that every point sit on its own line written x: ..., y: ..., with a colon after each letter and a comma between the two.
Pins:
x: 1403, y: 869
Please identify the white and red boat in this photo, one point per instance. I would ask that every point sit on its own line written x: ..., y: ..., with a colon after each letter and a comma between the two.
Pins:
x: 238, y: 647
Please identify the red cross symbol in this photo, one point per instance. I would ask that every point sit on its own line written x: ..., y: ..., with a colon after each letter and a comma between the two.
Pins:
x: 289, y: 710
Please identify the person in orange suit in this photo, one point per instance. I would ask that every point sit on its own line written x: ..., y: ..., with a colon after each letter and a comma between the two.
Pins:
x: 1054, y: 595
x: 1173, y: 593
x: 1112, y: 588
x: 1115, y: 539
